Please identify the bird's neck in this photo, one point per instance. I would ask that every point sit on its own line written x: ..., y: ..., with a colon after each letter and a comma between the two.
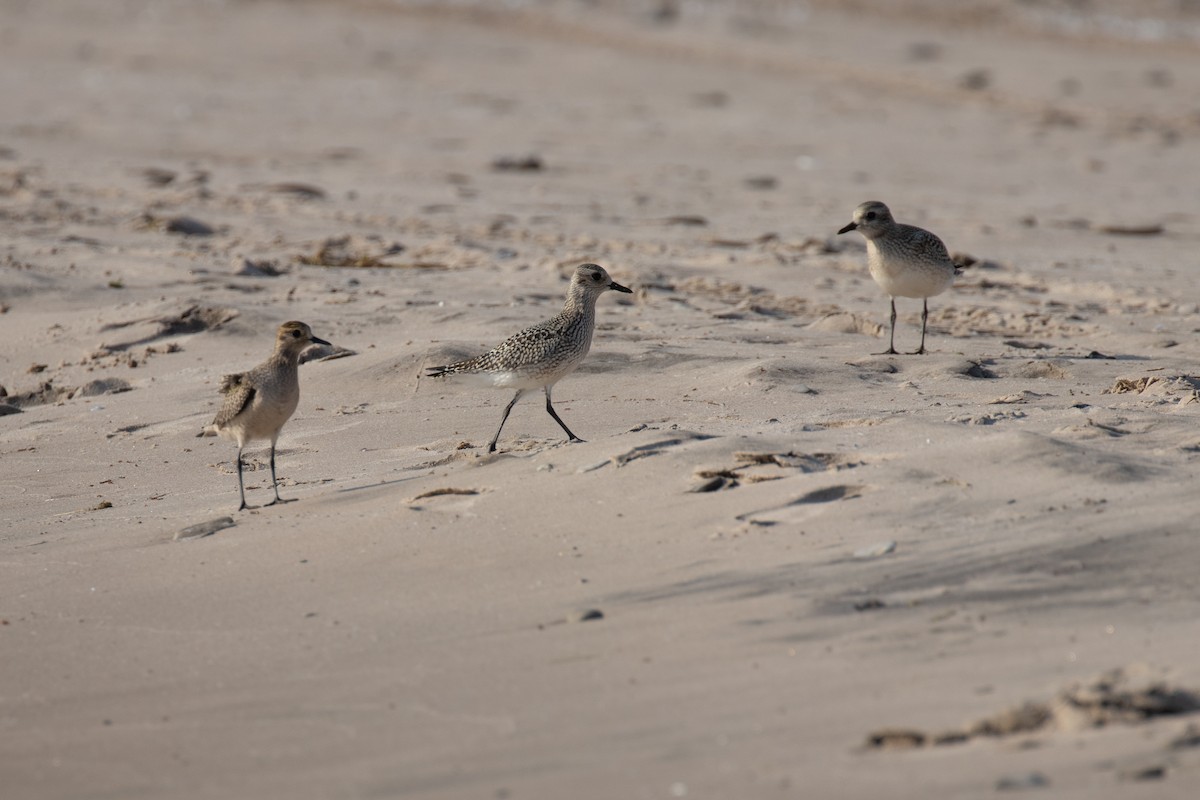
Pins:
x: 286, y: 357
x: 580, y: 301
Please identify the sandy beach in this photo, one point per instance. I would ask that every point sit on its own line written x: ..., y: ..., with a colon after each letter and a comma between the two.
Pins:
x: 778, y: 565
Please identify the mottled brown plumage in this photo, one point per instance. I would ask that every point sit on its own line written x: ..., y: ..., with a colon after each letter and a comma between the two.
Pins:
x: 238, y: 391
x: 259, y: 401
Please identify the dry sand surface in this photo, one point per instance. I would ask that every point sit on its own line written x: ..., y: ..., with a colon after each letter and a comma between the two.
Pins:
x: 819, y: 573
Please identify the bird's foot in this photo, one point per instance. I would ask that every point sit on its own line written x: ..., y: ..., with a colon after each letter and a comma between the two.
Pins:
x: 918, y: 352
x: 576, y: 439
x: 891, y: 351
x: 280, y: 500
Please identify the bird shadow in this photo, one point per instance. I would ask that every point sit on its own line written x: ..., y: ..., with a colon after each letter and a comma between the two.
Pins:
x: 376, y: 485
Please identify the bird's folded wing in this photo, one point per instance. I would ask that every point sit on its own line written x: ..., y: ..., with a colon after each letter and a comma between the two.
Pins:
x: 238, y: 394
x: 929, y: 244
x: 531, y: 345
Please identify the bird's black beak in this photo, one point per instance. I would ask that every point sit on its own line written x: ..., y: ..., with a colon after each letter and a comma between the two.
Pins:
x: 848, y: 228
x: 315, y: 340
x: 619, y: 288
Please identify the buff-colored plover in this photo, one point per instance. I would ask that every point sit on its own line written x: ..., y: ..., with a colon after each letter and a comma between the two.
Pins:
x: 906, y: 261
x: 258, y: 402
x: 541, y: 355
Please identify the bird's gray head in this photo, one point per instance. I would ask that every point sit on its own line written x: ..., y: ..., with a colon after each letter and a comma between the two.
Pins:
x: 295, y: 336
x: 593, y: 278
x: 870, y: 219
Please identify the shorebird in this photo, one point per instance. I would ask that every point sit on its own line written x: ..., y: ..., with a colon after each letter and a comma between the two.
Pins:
x: 541, y: 355
x: 906, y: 261
x: 258, y: 402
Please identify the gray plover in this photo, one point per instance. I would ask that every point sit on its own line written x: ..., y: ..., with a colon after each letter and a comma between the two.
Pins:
x: 906, y: 261
x: 542, y: 354
x: 258, y: 402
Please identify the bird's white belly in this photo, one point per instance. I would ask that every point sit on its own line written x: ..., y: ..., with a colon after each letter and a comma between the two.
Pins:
x: 505, y: 379
x: 531, y: 376
x: 911, y: 280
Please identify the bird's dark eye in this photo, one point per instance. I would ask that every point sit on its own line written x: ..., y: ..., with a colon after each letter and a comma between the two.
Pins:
x: 295, y: 334
x: 596, y: 277
x: 870, y: 216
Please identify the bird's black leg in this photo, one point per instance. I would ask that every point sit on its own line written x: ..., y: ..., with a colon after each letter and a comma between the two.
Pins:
x: 563, y: 425
x: 241, y: 486
x: 274, y: 482
x: 891, y: 351
x: 508, y: 408
x: 920, y: 351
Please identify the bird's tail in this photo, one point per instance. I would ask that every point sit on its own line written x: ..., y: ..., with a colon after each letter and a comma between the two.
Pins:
x: 437, y: 372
